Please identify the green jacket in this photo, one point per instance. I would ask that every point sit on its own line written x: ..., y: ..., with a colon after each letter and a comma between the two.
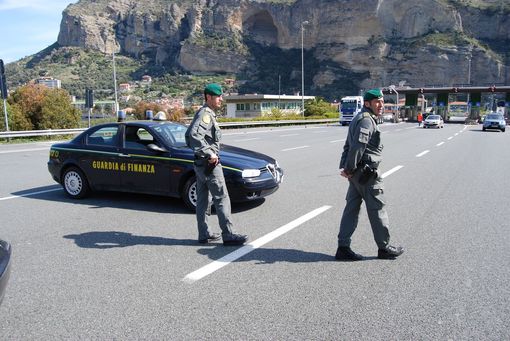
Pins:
x: 203, y: 134
x: 363, y: 143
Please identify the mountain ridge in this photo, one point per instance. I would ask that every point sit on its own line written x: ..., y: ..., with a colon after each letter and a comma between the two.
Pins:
x: 348, y: 45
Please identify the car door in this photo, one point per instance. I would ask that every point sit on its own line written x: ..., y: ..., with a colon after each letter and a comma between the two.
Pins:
x: 143, y: 170
x: 100, y: 158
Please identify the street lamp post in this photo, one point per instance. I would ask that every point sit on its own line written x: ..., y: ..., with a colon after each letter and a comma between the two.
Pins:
x: 397, y: 114
x: 115, y: 84
x: 469, y: 84
x: 303, y: 69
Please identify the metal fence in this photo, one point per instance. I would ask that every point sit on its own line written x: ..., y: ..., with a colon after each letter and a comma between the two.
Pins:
x: 49, y: 132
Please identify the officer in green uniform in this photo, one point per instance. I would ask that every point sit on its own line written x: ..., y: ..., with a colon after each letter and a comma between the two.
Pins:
x: 359, y: 164
x: 203, y: 136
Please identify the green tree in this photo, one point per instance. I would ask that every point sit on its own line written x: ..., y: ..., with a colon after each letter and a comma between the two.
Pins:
x: 318, y: 107
x: 58, y: 112
x: 16, y: 119
x: 142, y: 106
x: 29, y: 99
x: 46, y: 108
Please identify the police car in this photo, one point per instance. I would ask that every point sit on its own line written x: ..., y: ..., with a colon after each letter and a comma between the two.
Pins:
x: 152, y: 157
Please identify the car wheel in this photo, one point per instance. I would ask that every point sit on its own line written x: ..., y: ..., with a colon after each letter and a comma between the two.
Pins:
x: 483, y: 128
x: 503, y: 130
x: 75, y: 183
x: 189, y: 193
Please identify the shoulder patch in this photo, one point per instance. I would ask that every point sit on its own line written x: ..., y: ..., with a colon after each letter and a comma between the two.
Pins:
x: 363, y: 135
x: 366, y: 114
x: 206, y: 118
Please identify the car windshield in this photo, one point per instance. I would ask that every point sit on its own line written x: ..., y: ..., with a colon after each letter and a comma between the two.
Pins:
x: 433, y: 117
x: 173, y: 134
x: 494, y: 117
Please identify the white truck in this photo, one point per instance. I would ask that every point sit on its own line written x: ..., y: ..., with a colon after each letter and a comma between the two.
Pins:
x: 349, y: 107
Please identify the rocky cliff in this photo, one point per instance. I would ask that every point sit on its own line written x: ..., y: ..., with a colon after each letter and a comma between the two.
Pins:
x: 348, y: 44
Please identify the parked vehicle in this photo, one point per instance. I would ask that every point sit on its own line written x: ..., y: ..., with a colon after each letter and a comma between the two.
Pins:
x: 152, y: 157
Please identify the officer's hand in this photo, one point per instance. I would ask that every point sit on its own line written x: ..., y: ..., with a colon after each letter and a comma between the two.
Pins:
x: 213, y: 159
x: 345, y: 174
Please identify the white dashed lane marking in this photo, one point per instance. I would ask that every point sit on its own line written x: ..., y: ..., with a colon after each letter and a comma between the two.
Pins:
x: 300, y: 147
x: 391, y: 171
x: 422, y: 153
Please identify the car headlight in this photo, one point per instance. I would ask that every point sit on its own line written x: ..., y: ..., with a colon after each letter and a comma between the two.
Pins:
x: 250, y: 173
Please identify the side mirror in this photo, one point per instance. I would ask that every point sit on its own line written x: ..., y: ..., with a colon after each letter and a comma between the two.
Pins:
x: 155, y: 148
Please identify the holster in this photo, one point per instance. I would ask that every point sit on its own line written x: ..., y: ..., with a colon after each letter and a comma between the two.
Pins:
x: 367, y: 173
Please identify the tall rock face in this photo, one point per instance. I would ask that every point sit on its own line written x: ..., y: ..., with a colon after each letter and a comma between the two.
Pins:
x: 347, y: 44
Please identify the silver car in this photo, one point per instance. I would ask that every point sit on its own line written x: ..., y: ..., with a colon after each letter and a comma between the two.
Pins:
x: 494, y: 121
x: 434, y: 121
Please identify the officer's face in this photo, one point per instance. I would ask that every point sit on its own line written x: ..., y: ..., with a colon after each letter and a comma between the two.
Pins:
x: 214, y: 102
x: 377, y: 105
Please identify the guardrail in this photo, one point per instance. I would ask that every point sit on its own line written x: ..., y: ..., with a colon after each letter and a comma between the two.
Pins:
x: 32, y: 133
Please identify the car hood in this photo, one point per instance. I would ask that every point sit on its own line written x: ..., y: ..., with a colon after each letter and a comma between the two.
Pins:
x: 242, y: 158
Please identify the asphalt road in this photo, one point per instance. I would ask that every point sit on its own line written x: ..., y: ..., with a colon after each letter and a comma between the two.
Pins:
x: 127, y: 267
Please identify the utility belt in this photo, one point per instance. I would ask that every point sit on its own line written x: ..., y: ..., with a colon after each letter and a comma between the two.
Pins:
x: 366, y: 173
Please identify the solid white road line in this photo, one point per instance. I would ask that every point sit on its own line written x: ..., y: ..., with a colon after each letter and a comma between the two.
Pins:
x: 22, y: 150
x: 301, y: 147
x: 422, y: 153
x: 29, y: 194
x: 391, y: 171
x: 229, y: 258
x: 335, y: 141
x: 288, y: 135
x: 439, y: 144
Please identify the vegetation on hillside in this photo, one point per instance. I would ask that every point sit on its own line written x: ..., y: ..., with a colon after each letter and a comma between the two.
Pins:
x: 37, y: 107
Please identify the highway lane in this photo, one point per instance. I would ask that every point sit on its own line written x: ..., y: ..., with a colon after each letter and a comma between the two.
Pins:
x: 112, y: 266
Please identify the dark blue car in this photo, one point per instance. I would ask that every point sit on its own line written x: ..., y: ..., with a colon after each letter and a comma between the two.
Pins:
x: 152, y: 157
x: 5, y: 266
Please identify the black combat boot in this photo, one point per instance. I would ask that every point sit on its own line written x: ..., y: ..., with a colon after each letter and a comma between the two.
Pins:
x: 390, y: 252
x: 212, y: 237
x: 234, y: 239
x: 344, y: 253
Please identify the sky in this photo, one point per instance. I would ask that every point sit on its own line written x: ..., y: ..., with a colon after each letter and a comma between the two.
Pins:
x: 28, y: 26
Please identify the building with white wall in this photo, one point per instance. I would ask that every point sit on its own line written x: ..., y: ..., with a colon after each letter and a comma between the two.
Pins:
x: 255, y: 105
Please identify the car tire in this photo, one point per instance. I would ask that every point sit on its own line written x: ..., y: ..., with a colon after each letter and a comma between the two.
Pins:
x: 503, y: 130
x: 75, y: 183
x: 189, y: 193
x: 483, y: 128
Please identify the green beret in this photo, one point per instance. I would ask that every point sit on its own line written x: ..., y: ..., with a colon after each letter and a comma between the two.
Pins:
x: 213, y: 89
x: 372, y: 94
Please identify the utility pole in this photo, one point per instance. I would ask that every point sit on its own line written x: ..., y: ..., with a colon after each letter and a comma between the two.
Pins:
x: 115, y: 84
x: 3, y: 90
